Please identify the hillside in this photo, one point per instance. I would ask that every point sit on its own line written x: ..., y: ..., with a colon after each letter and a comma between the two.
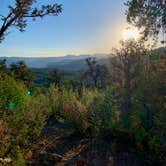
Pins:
x: 68, y: 62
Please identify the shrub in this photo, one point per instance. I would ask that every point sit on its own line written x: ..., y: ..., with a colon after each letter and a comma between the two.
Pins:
x: 66, y: 105
x: 103, y: 112
x: 22, y: 120
x: 18, y: 159
x: 15, y: 93
x: 36, y: 114
x: 75, y: 113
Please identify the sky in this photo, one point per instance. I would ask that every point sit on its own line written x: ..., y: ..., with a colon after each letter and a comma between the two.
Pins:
x: 83, y: 27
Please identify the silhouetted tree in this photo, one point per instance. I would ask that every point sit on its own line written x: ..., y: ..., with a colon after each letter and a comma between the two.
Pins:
x: 96, y: 74
x: 127, y: 66
x: 152, y: 86
x: 20, y: 11
x: 148, y: 14
x: 22, y: 72
x: 55, y: 77
x: 3, y: 67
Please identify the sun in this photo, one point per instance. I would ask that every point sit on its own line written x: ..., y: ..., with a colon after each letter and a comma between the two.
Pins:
x: 130, y: 33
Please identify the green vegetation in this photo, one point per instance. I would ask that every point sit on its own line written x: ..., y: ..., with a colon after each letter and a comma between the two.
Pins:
x: 130, y: 107
x: 19, y: 11
x: 148, y: 15
x: 123, y: 102
x: 21, y: 117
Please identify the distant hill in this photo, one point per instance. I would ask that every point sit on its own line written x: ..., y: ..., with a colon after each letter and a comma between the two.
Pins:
x: 69, y: 62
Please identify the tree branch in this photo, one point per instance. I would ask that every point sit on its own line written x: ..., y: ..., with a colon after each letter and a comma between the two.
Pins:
x: 18, y: 15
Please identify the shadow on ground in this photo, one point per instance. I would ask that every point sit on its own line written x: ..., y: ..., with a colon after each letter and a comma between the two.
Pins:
x: 59, y: 145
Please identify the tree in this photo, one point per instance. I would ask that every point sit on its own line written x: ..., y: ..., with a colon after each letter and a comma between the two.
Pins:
x: 22, y: 72
x: 148, y: 14
x: 152, y: 89
x: 3, y: 67
x: 127, y: 66
x: 20, y: 11
x: 96, y: 75
x: 55, y: 77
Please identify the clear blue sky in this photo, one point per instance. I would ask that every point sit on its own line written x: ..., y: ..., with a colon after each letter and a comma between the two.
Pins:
x: 84, y: 27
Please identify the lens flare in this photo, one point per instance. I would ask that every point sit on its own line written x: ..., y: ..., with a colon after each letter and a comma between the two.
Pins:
x: 130, y: 33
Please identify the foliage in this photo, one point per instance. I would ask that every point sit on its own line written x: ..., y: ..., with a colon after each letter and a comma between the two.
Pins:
x: 11, y: 91
x: 127, y: 66
x: 148, y: 14
x: 94, y: 109
x: 18, y: 159
x: 24, y: 121
x: 65, y: 104
x: 55, y: 77
x: 73, y: 84
x: 103, y: 112
x: 131, y: 107
x: 138, y: 80
x: 3, y: 68
x: 23, y: 73
x: 96, y: 75
x: 21, y: 10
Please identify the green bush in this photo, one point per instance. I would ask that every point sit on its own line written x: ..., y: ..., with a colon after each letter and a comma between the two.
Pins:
x: 36, y: 113
x: 103, y: 112
x: 94, y: 109
x: 11, y: 92
x: 23, y: 119
x: 66, y: 105
x: 75, y: 113
x: 18, y: 159
x: 10, y: 117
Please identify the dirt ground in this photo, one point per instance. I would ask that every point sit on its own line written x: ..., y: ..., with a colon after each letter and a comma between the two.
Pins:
x: 58, y: 145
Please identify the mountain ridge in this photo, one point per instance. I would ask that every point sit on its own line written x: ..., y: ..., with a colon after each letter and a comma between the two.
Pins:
x: 65, y: 62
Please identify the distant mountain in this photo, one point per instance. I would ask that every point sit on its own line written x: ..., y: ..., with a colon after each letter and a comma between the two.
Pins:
x: 68, y: 62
